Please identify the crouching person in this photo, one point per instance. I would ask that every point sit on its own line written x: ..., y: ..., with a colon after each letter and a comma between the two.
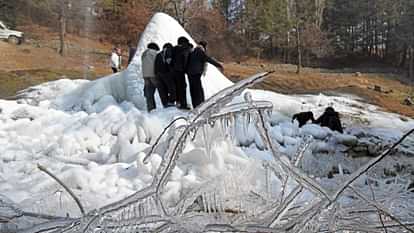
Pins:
x: 303, y: 118
x: 330, y: 119
x: 151, y: 82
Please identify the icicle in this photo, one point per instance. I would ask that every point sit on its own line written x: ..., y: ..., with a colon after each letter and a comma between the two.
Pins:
x: 203, y: 198
x: 268, y: 184
x: 214, y: 201
x: 248, y: 119
x: 211, y: 122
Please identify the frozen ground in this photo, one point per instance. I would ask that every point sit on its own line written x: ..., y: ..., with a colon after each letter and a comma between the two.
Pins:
x: 95, y: 135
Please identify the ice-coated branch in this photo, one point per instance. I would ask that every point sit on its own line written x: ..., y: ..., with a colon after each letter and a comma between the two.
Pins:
x: 75, y: 198
x: 369, y: 165
x: 379, y: 212
x: 48, y: 226
x: 157, y: 141
x: 209, y: 107
x: 285, y: 205
x: 380, y: 208
x: 299, y: 176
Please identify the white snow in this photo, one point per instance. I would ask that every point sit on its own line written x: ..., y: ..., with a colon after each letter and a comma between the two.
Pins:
x: 94, y: 136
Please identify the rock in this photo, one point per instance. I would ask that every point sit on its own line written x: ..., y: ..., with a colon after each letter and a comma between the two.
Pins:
x: 358, y: 74
x: 377, y: 88
x: 408, y: 101
x: 347, y: 140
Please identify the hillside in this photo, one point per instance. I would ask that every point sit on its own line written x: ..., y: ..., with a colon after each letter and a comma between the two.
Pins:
x: 37, y: 61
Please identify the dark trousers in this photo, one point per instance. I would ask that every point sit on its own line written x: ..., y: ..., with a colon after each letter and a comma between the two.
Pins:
x: 196, y: 89
x: 150, y: 85
x: 181, y: 86
x: 115, y: 70
x: 169, y: 84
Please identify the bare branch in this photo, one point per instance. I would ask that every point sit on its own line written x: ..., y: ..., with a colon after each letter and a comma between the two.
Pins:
x: 41, y: 168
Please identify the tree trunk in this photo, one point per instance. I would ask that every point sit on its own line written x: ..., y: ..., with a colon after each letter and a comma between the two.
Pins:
x: 404, y: 57
x: 62, y: 27
x: 299, y: 48
x: 287, y: 49
x: 411, y: 65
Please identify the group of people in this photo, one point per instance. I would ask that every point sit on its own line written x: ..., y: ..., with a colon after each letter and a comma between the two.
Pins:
x: 330, y: 119
x: 165, y: 71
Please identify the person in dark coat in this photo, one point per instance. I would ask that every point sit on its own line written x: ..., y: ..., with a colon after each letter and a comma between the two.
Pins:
x: 196, y: 67
x: 131, y: 51
x: 303, y: 118
x: 163, y: 71
x: 181, y: 53
x: 330, y: 119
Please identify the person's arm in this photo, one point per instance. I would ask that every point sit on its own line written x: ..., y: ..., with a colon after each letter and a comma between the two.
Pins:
x: 212, y: 61
x: 319, y: 120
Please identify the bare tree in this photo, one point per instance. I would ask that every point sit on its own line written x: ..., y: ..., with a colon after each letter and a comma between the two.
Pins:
x: 63, y: 5
x: 298, y: 45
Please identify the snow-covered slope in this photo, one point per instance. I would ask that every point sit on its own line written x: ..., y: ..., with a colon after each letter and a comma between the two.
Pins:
x: 94, y: 136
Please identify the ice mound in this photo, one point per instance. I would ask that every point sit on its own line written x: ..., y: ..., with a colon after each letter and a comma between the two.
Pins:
x: 128, y: 84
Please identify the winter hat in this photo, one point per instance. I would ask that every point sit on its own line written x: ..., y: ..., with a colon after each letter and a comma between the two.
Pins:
x: 203, y: 43
x: 182, y: 40
x: 153, y: 46
x: 167, y: 45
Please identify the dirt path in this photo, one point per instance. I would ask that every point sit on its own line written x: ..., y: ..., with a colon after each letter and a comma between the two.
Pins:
x: 286, y: 81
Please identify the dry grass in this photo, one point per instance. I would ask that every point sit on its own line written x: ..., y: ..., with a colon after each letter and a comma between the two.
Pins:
x: 285, y: 80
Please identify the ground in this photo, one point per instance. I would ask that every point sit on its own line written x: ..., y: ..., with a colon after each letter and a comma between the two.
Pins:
x: 37, y: 61
x: 393, y: 88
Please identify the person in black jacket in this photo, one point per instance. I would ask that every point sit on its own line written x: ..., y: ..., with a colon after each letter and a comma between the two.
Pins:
x: 163, y: 71
x: 179, y: 65
x: 196, y: 65
x: 330, y: 119
x: 131, y: 51
x: 303, y: 118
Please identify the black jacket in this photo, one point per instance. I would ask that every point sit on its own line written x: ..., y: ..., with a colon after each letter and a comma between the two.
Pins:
x: 132, y: 51
x: 180, y: 56
x: 163, y: 62
x: 331, y: 120
x: 197, y: 61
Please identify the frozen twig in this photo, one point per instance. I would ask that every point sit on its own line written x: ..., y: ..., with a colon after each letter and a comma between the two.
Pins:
x: 380, y: 208
x: 76, y: 199
x: 368, y: 166
x: 379, y: 212
x: 161, y: 135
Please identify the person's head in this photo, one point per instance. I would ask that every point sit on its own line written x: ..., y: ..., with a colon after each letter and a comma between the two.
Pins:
x: 203, y: 44
x: 153, y: 46
x: 329, y: 110
x: 118, y: 50
x: 167, y: 46
x: 182, y: 40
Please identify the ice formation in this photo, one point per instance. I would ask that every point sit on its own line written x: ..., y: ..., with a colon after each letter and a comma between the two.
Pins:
x: 235, y: 164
